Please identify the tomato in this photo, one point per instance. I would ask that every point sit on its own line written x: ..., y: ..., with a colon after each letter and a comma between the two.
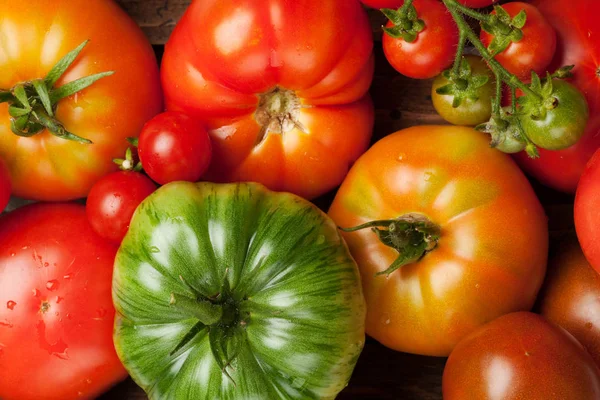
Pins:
x: 571, y: 296
x: 578, y: 44
x: 434, y: 47
x: 286, y: 103
x: 231, y: 291
x: 587, y: 201
x: 38, y: 33
x: 533, y: 51
x: 5, y: 186
x: 560, y: 125
x: 483, y: 251
x: 383, y: 3
x: 174, y: 147
x: 56, y: 312
x: 520, y: 356
x: 476, y: 107
x: 477, y: 3
x: 112, y: 201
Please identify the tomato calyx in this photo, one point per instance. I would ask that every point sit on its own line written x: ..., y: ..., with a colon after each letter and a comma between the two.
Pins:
x: 407, y: 24
x: 505, y: 130
x: 412, y: 235
x: 32, y: 104
x: 504, y: 29
x: 463, y: 84
x: 278, y: 112
x: 537, y: 108
x: 129, y: 163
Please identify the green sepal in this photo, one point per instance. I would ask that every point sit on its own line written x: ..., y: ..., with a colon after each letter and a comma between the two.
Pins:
x: 519, y: 20
x: 62, y: 65
x: 504, y: 29
x: 6, y: 96
x: 16, y: 111
x: 75, y: 86
x: 21, y: 95
x: 44, y: 96
x: 392, y: 15
x: 502, y: 14
x: 505, y: 131
x: 395, y: 31
x: 564, y: 72
x: 407, y: 24
x: 463, y: 85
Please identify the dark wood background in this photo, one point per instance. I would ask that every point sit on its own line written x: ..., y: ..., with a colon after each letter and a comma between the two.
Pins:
x: 400, y: 102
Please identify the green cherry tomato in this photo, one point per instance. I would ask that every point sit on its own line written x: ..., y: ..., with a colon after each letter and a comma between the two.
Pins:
x: 564, y: 121
x: 476, y: 105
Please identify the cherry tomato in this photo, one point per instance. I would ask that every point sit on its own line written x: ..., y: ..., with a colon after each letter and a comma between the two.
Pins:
x: 477, y: 3
x: 112, y: 201
x: 174, y: 147
x: 478, y: 270
x: 5, y: 186
x: 534, y: 51
x: 434, y: 48
x: 56, y: 310
x: 383, y: 3
x: 471, y: 111
x: 571, y: 295
x: 587, y: 211
x: 520, y: 356
x: 576, y: 22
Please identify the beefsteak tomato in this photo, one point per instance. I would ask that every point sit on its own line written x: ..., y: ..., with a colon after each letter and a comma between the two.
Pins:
x: 587, y: 217
x: 520, y: 356
x: 282, y: 86
x: 35, y: 35
x: 56, y: 312
x: 230, y: 291
x: 463, y: 220
x: 578, y: 43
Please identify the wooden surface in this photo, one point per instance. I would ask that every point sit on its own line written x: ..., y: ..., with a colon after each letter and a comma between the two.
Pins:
x: 400, y: 102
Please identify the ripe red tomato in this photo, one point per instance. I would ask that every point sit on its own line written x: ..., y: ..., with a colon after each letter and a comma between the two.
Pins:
x: 575, y: 22
x: 534, y: 51
x: 520, y: 356
x: 56, y: 311
x: 383, y: 3
x: 5, y: 186
x: 434, y: 48
x: 174, y: 147
x: 587, y: 214
x: 112, y: 201
x: 282, y: 88
x: 477, y: 3
x: 571, y: 296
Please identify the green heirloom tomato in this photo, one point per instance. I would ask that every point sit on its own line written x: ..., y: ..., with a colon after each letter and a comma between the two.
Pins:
x: 236, y: 292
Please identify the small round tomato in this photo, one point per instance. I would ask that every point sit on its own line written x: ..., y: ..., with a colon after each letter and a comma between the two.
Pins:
x: 383, y: 3
x: 477, y: 3
x: 476, y: 105
x: 174, y: 147
x: 559, y: 120
x: 533, y: 51
x: 56, y: 309
x: 520, y: 356
x: 571, y: 296
x: 433, y: 48
x: 587, y: 214
x: 5, y: 186
x: 112, y: 201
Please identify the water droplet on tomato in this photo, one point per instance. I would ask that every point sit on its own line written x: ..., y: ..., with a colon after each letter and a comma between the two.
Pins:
x: 11, y: 304
x: 428, y: 176
x: 24, y: 247
x: 67, y: 276
x: 36, y: 293
x: 154, y: 249
x: 101, y: 313
x: 52, y: 285
x: 59, y: 299
x: 401, y: 157
x: 88, y: 381
x: 320, y: 239
x: 13, y: 254
x: 46, y: 264
x: 589, y: 325
x: 477, y: 286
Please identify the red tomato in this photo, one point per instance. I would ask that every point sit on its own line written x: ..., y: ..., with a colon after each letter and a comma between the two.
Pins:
x: 383, y: 3
x: 432, y: 51
x: 174, y: 147
x: 520, y: 356
x: 37, y: 34
x: 575, y: 22
x: 477, y: 3
x: 571, y: 296
x: 587, y: 211
x: 5, y: 186
x: 56, y: 311
x: 112, y: 201
x: 282, y: 85
x: 536, y: 48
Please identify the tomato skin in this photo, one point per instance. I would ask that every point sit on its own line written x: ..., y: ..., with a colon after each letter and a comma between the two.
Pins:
x: 478, y: 271
x: 534, y: 51
x: 327, y: 71
x: 45, y: 167
x: 5, y: 185
x: 49, y: 253
x: 112, y: 201
x: 575, y: 22
x: 570, y: 296
x: 587, y: 220
x: 432, y: 51
x: 378, y: 4
x: 520, y: 356
x: 174, y: 147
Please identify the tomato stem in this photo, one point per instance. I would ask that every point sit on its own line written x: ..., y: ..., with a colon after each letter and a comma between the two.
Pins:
x: 462, y: 41
x: 205, y: 311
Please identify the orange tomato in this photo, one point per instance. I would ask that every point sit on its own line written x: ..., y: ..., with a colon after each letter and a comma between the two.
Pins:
x: 34, y: 36
x: 486, y: 256
x: 282, y: 85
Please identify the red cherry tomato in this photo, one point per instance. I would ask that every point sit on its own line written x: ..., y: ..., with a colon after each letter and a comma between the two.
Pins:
x: 5, y: 186
x: 477, y: 3
x: 534, y: 51
x: 587, y: 211
x: 434, y: 48
x: 174, y: 147
x: 112, y: 201
x: 383, y: 3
